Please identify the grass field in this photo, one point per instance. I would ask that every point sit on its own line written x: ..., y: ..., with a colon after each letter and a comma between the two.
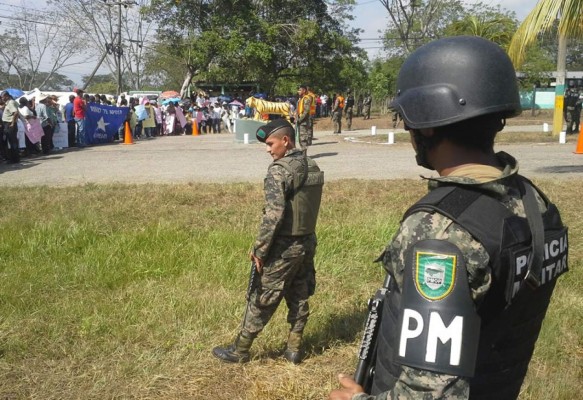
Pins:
x: 120, y: 292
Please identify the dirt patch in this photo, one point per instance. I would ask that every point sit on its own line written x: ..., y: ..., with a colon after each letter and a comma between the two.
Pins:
x: 385, y: 121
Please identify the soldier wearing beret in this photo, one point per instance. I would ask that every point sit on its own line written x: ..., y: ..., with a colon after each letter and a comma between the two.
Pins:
x: 284, y: 249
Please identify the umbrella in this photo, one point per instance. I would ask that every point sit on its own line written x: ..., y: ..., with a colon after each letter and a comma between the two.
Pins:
x: 236, y: 103
x: 15, y: 93
x: 169, y: 94
x: 172, y: 100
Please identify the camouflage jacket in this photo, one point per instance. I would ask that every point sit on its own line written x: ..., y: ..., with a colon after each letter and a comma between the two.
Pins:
x: 277, y: 183
x: 420, y: 384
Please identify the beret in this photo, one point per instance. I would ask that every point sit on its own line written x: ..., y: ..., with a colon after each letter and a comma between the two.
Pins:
x: 267, y: 130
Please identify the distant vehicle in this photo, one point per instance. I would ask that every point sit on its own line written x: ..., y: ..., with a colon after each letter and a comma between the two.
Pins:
x: 150, y: 94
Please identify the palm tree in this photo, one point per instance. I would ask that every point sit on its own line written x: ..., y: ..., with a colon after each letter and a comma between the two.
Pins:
x: 540, y: 20
x: 497, y: 28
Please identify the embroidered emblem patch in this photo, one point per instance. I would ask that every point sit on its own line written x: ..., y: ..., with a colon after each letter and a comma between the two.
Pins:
x: 434, y: 274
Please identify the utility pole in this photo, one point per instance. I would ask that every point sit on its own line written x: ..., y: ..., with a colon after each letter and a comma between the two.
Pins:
x: 118, y: 50
x: 139, y: 43
x: 109, y: 49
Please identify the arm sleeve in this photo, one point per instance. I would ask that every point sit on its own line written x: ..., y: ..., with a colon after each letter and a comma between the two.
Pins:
x: 306, y: 110
x: 273, y: 211
x: 414, y: 383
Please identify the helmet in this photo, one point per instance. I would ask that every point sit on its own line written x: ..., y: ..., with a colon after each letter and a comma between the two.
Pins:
x: 348, y: 91
x: 454, y: 79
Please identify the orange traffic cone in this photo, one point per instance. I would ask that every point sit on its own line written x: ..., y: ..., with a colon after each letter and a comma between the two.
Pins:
x: 195, y: 129
x: 579, y: 149
x: 128, y: 138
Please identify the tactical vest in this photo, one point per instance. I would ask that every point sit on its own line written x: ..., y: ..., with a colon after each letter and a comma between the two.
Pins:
x: 349, y: 101
x: 303, y: 199
x: 512, y: 312
x: 312, y: 104
x: 301, y: 104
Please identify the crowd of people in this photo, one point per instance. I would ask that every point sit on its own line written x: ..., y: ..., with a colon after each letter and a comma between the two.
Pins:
x: 149, y: 116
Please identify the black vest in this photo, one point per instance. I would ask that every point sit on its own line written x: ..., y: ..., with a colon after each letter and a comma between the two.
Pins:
x: 512, y: 312
x: 303, y: 199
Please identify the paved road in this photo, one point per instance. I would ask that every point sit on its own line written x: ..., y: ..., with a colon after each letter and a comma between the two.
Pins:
x: 218, y: 158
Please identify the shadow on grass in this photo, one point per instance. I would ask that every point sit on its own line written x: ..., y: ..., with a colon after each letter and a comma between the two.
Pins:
x: 340, y: 328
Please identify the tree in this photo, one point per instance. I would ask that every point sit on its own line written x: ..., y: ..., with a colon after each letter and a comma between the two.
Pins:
x: 413, y: 23
x: 104, y: 83
x: 383, y: 77
x: 488, y: 22
x: 275, y: 43
x: 96, y: 24
x: 542, y: 19
x: 34, y: 49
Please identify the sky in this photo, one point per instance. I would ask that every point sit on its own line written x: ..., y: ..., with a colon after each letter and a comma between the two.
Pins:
x: 370, y: 15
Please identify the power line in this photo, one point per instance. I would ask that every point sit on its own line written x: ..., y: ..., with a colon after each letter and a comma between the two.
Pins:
x: 26, y: 20
x: 21, y: 7
x: 360, y: 4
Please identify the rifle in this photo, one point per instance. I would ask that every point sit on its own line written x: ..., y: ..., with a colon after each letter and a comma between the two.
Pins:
x: 367, y: 354
x: 253, y: 280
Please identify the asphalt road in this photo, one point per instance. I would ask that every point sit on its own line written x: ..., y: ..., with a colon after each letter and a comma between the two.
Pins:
x: 218, y: 158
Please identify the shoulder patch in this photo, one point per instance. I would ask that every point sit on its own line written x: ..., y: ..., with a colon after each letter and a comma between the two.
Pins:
x: 435, y: 274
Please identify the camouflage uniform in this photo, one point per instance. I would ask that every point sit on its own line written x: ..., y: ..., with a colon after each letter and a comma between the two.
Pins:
x: 312, y: 117
x: 572, y: 109
x: 367, y: 104
x: 420, y: 384
x: 348, y: 108
x: 288, y: 270
x: 337, y: 114
x: 304, y: 121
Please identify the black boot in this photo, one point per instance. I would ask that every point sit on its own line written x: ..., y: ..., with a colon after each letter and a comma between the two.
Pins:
x: 238, y: 352
x: 293, y: 352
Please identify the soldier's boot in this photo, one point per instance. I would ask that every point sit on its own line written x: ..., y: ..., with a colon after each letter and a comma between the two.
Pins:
x: 293, y: 352
x: 238, y: 352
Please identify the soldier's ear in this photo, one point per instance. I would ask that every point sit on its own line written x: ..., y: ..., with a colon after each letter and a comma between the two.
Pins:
x: 286, y: 140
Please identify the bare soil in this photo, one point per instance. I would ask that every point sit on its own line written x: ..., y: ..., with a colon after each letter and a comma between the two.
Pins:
x: 384, y: 121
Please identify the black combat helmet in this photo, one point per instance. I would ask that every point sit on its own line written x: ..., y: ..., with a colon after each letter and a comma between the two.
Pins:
x: 454, y: 79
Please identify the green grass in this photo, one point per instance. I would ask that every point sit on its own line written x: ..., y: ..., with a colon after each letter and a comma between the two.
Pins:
x: 121, y: 292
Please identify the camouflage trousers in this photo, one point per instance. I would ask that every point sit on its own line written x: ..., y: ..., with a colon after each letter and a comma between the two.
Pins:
x: 288, y: 273
x: 366, y: 112
x: 311, y: 130
x: 304, y: 133
x: 348, y: 112
x: 337, y: 119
